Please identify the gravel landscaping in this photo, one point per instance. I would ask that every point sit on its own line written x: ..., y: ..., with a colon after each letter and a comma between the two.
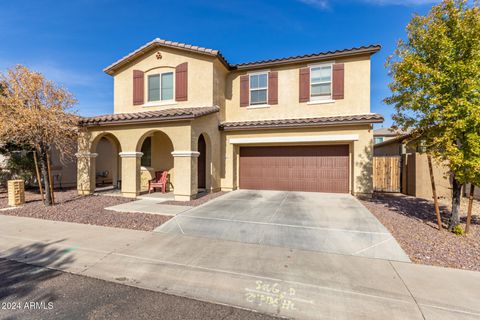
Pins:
x: 412, y: 222
x: 196, y: 202
x: 71, y: 207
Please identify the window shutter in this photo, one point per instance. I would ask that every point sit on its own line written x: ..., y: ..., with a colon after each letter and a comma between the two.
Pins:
x: 244, y: 91
x: 181, y: 82
x: 138, y: 87
x: 273, y: 87
x: 304, y: 94
x: 338, y: 81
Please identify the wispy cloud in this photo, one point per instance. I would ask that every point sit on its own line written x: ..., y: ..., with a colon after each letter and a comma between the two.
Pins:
x: 320, y: 4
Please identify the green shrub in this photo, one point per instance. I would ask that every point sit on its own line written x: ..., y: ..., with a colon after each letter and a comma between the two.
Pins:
x: 458, y: 230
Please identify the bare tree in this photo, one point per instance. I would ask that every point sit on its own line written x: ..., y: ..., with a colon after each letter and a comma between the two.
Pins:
x: 38, y: 113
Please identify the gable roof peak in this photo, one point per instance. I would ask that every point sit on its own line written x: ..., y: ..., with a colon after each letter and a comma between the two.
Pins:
x: 157, y: 42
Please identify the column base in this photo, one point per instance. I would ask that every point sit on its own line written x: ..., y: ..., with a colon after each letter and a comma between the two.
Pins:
x: 228, y: 189
x: 181, y: 197
x: 130, y: 194
x: 84, y: 192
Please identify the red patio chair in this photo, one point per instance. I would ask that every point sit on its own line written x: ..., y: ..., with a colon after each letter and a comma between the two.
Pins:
x: 160, y: 181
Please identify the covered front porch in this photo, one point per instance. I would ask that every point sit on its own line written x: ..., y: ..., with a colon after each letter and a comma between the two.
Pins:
x: 127, y: 155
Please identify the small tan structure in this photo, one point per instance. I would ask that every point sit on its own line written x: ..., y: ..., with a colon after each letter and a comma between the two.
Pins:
x: 16, y: 192
x: 219, y: 126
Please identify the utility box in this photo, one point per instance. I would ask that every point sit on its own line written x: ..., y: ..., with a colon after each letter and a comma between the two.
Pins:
x: 16, y: 192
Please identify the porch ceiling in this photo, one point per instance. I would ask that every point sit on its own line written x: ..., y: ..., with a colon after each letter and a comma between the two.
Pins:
x: 149, y: 116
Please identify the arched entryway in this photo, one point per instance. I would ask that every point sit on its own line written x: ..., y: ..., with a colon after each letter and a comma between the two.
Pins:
x: 107, y: 161
x: 202, y: 164
x: 157, y: 148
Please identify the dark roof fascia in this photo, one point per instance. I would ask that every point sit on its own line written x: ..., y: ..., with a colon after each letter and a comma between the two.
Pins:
x: 307, y: 58
x: 296, y: 126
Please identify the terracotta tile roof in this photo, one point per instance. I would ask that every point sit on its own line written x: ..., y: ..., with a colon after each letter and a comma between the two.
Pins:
x: 149, y: 116
x: 111, y: 69
x: 303, y: 122
x: 157, y: 42
x: 309, y: 57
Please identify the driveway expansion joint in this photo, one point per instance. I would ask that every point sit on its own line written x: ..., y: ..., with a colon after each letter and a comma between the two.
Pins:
x: 408, y: 289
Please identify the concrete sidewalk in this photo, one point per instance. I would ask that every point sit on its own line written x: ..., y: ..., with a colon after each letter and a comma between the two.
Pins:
x: 273, y: 280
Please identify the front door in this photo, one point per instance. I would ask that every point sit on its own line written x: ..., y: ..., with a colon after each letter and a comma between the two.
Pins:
x: 202, y: 162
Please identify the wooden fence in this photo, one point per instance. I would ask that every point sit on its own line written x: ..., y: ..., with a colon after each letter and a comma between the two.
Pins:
x: 386, y: 174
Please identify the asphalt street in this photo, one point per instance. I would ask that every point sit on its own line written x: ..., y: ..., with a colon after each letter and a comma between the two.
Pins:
x: 29, y: 292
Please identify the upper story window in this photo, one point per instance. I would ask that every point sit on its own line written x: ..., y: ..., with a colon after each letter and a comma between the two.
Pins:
x: 258, y: 88
x: 377, y: 140
x: 160, y: 87
x: 321, y: 82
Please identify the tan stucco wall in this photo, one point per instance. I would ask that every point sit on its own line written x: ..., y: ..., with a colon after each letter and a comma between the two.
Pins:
x: 200, y: 80
x: 220, y: 76
x: 356, y: 100
x: 419, y: 182
x: 360, y: 153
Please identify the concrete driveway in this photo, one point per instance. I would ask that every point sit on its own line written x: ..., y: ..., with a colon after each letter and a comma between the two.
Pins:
x: 323, y: 222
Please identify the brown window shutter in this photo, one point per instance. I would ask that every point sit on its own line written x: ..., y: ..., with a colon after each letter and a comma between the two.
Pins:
x: 181, y: 82
x: 244, y: 91
x: 273, y: 87
x: 138, y: 87
x: 338, y: 81
x: 304, y: 94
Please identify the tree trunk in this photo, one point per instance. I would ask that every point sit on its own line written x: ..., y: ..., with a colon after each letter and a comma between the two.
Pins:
x: 434, y: 192
x: 456, y: 196
x: 470, y: 206
x: 42, y: 152
x: 39, y: 179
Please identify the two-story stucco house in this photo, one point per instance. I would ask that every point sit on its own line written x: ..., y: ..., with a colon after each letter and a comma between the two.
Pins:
x: 299, y: 123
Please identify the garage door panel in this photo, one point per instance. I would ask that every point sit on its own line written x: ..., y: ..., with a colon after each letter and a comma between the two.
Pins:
x: 298, y: 168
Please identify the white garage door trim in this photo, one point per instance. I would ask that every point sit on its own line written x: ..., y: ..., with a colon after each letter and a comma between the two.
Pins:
x: 288, y: 139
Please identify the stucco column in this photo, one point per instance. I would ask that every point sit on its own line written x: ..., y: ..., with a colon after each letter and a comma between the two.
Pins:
x: 229, y: 182
x: 86, y: 172
x: 185, y: 170
x: 130, y: 173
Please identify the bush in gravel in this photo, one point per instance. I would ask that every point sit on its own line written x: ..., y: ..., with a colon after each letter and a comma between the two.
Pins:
x: 458, y: 230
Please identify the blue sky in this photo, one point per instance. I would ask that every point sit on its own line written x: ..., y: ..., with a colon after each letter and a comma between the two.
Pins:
x: 72, y: 41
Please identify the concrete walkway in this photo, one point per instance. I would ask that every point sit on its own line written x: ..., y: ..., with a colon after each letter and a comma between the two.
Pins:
x: 152, y: 204
x: 149, y: 206
x: 274, y: 280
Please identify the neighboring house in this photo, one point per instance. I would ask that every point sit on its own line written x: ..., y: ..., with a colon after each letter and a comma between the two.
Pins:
x: 384, y: 134
x: 299, y: 123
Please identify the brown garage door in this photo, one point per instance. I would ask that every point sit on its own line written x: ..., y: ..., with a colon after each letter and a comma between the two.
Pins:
x: 299, y: 168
